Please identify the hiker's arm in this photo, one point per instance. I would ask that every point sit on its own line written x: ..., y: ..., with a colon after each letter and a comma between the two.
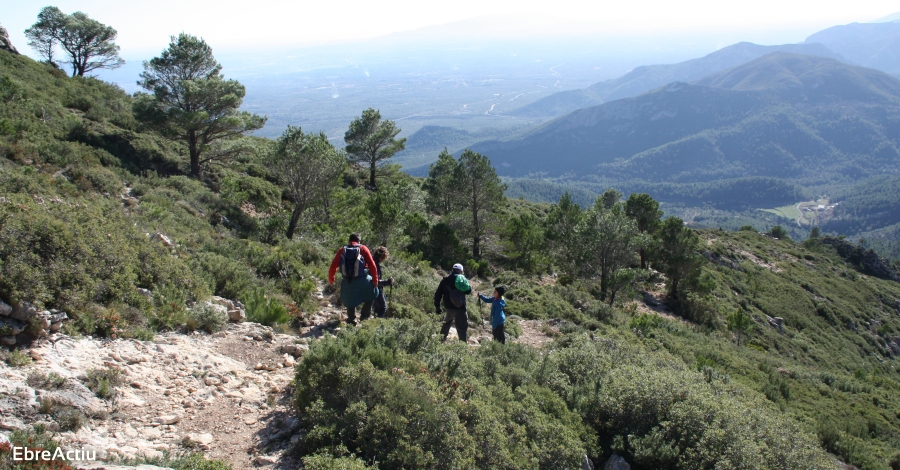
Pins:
x: 438, y: 294
x: 387, y: 282
x: 486, y: 299
x: 367, y: 256
x: 334, y: 265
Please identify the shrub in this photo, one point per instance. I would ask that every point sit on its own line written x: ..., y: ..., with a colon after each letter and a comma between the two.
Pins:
x: 35, y: 438
x: 328, y: 462
x: 204, y: 316
x: 177, y: 461
x: 51, y: 381
x: 69, y: 418
x: 15, y: 358
x: 265, y: 310
x: 103, y: 382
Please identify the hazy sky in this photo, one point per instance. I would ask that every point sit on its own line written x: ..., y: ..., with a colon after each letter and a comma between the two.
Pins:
x: 145, y: 26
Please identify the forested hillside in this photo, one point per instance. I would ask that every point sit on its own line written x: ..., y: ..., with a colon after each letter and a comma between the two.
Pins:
x: 671, y: 347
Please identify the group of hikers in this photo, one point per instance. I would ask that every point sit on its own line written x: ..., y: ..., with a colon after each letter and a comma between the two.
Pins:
x: 363, y: 283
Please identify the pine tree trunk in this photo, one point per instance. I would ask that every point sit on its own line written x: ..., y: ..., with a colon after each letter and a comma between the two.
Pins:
x: 195, y: 155
x: 292, y: 225
x: 372, y: 175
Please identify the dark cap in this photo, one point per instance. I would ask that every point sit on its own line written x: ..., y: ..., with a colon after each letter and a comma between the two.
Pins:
x: 500, y: 290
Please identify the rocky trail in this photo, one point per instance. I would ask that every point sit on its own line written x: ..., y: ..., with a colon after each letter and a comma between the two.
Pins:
x: 226, y: 394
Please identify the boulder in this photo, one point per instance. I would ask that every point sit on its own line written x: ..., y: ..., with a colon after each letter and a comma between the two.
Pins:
x: 145, y: 292
x: 5, y: 309
x: 234, y: 309
x: 586, y: 463
x: 24, y: 312
x: 201, y: 439
x: 776, y: 322
x: 10, y: 327
x: 295, y: 350
x: 237, y: 315
x: 168, y: 419
x: 265, y: 460
x: 8, y: 340
x: 5, y: 44
x: 166, y: 241
x: 616, y: 462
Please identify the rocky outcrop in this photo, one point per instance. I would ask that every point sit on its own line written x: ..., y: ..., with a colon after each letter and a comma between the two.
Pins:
x: 4, y: 41
x: 233, y: 309
x: 23, y: 323
x: 861, y: 259
x: 616, y: 462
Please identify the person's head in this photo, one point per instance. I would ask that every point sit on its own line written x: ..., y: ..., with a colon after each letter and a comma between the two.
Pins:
x: 457, y: 268
x: 381, y: 254
x: 499, y: 291
x: 354, y: 238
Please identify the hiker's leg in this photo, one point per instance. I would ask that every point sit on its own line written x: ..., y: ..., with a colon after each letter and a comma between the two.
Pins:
x: 379, y: 306
x: 462, y: 324
x: 366, y: 311
x: 351, y: 315
x: 448, y: 321
x: 500, y: 333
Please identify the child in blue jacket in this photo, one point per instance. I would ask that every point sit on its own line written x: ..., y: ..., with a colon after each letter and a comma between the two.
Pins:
x: 498, y: 318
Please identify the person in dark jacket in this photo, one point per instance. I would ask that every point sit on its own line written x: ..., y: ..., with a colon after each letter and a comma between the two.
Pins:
x: 379, y: 305
x: 498, y: 317
x: 453, y: 313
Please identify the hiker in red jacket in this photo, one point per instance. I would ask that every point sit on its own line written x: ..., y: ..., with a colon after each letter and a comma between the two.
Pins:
x: 359, y: 285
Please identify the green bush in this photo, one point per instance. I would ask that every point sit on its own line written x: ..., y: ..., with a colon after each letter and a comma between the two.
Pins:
x: 390, y: 379
x: 15, y: 358
x: 103, y: 382
x: 328, y: 462
x: 206, y: 317
x: 265, y: 310
x: 177, y: 461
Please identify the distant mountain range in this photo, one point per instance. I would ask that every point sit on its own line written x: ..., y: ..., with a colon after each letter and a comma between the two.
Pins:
x: 813, y: 120
x: 649, y: 77
x: 875, y: 45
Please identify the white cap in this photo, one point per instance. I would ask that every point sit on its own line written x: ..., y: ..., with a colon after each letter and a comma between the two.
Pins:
x: 458, y: 266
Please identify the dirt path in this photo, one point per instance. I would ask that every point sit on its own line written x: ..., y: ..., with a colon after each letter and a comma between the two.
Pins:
x: 227, y: 394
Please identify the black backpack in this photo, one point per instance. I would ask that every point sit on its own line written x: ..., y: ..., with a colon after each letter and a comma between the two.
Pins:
x: 456, y: 296
x: 353, y: 265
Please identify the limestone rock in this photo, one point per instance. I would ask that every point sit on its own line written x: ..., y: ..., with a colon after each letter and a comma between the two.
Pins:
x: 11, y: 327
x: 24, y: 312
x: 776, y: 322
x: 264, y: 460
x: 5, y: 309
x: 616, y: 462
x: 164, y: 239
x: 8, y: 340
x: 5, y: 44
x: 145, y: 292
x: 201, y: 439
x: 168, y: 419
x: 295, y: 350
x: 586, y: 463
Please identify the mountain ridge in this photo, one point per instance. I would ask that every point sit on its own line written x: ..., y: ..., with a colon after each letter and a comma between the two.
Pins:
x: 649, y: 77
x: 810, y: 107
